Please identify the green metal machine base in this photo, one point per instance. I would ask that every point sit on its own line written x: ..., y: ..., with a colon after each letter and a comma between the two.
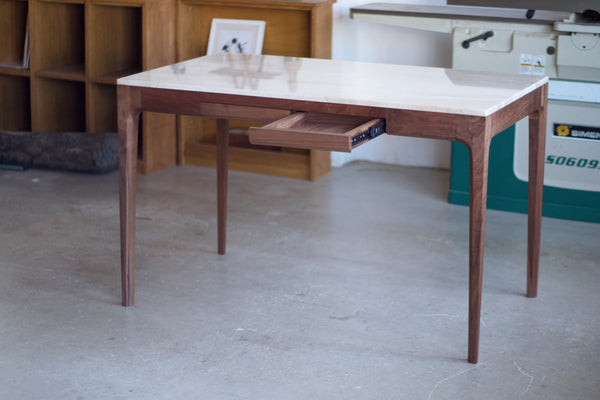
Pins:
x: 506, y: 192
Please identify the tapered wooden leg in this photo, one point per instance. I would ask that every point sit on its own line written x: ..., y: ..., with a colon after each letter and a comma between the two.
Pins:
x: 537, y: 146
x: 222, y: 174
x: 478, y: 194
x: 128, y: 132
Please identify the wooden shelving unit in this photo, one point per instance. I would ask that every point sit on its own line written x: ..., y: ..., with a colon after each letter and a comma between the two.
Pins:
x: 78, y: 49
x: 293, y: 28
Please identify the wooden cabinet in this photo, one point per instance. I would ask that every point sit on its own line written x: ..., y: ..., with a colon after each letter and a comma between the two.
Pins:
x: 294, y: 29
x: 77, y: 50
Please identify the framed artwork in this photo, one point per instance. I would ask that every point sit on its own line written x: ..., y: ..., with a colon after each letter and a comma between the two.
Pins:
x: 236, y: 36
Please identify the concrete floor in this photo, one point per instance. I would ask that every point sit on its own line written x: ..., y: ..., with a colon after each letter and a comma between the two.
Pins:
x: 351, y: 287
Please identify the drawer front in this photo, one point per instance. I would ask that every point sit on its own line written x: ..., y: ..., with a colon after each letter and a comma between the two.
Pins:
x: 318, y: 131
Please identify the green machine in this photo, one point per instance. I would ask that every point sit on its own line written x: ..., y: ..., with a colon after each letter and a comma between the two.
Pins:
x: 509, y: 193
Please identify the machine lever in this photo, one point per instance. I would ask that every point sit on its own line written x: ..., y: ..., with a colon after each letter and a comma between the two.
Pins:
x: 529, y: 14
x: 483, y: 36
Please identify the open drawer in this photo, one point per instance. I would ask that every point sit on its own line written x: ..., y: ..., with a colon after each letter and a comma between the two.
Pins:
x: 318, y: 131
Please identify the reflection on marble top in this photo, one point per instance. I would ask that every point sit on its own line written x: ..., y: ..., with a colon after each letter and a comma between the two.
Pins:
x: 342, y: 82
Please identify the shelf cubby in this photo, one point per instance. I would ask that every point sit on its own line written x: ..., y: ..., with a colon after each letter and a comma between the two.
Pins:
x: 57, y: 41
x: 13, y: 29
x: 15, y: 113
x: 102, y: 108
x: 114, y: 42
x: 60, y: 106
x: 57, y: 54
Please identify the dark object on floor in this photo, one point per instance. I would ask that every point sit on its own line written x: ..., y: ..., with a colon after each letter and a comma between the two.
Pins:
x: 70, y: 151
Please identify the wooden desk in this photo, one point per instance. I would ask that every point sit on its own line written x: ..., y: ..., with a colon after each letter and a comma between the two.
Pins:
x: 337, y: 96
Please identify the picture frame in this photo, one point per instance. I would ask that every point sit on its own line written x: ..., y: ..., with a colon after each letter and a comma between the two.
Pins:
x: 236, y: 36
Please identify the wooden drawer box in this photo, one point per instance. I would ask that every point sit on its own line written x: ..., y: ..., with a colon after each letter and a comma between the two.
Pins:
x: 318, y: 131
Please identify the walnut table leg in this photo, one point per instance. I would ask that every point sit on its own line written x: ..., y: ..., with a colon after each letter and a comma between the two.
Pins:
x: 479, y: 155
x: 222, y: 174
x: 128, y: 114
x: 537, y: 144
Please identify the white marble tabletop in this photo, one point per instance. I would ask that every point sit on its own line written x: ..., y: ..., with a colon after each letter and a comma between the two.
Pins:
x: 343, y: 82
